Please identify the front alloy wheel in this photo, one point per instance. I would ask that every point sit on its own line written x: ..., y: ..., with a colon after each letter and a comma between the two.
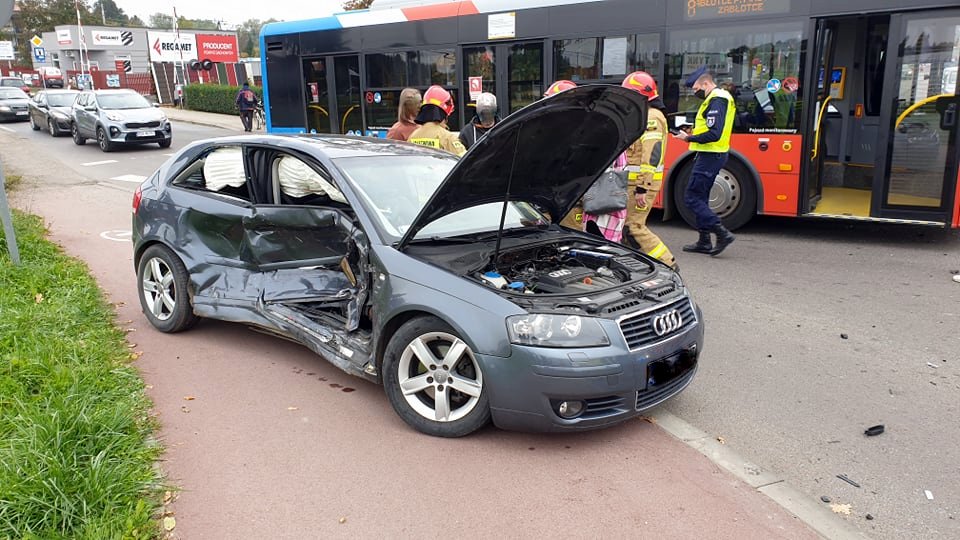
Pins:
x: 434, y: 380
x: 52, y: 127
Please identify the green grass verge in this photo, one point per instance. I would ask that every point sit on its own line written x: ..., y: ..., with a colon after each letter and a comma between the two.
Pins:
x: 77, y: 451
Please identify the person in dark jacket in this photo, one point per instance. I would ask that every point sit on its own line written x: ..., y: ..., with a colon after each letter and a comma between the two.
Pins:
x: 247, y: 103
x: 485, y: 118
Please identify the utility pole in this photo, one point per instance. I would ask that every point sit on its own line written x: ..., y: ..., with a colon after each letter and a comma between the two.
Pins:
x: 103, y: 16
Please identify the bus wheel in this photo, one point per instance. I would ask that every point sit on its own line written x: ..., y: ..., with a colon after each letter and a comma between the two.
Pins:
x: 733, y: 196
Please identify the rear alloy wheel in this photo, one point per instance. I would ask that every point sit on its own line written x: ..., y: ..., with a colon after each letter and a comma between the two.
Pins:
x: 75, y: 132
x: 166, y: 143
x: 103, y: 141
x: 163, y: 290
x: 52, y: 127
x: 33, y: 124
x: 434, y: 381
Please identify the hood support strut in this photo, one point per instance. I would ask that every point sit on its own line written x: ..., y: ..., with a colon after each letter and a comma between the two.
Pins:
x: 506, y: 199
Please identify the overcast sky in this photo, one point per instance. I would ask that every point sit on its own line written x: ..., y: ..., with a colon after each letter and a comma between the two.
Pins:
x: 233, y: 11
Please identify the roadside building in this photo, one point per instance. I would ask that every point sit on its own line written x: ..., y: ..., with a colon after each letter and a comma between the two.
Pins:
x: 148, y: 59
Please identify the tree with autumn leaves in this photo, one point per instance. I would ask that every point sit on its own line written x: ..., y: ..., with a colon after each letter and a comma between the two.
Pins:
x: 350, y: 5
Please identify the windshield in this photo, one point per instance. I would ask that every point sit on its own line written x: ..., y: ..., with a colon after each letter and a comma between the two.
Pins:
x: 122, y: 101
x: 396, y: 188
x: 12, y: 93
x: 61, y: 100
x: 12, y: 82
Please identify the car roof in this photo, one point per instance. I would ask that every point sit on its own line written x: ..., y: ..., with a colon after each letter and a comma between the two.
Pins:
x: 336, y: 146
x: 114, y: 91
x: 61, y: 91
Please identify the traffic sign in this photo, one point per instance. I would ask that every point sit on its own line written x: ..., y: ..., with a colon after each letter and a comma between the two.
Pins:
x: 40, y: 54
x: 36, y: 41
x: 6, y: 51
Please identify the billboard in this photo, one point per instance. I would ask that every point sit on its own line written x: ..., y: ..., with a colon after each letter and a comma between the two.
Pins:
x: 166, y: 47
x: 64, y: 37
x: 217, y: 48
x: 106, y: 37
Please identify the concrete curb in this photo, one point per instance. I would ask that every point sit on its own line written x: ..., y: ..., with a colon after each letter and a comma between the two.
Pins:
x: 175, y: 116
x: 815, y: 514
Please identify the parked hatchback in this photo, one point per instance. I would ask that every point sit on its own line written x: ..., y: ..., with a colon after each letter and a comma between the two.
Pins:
x: 450, y: 282
x: 116, y: 118
x: 50, y: 110
x: 13, y: 104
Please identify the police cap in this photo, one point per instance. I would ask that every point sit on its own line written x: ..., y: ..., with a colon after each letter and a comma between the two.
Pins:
x: 697, y: 73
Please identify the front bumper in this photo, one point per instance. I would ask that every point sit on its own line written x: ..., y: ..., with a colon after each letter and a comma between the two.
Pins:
x: 62, y: 122
x: 614, y: 383
x: 131, y: 133
x: 12, y: 115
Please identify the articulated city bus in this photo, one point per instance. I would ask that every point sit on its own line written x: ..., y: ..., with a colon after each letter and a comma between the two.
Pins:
x: 844, y: 108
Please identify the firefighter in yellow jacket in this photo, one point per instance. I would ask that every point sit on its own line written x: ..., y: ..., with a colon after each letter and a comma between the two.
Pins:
x: 437, y: 106
x: 645, y: 163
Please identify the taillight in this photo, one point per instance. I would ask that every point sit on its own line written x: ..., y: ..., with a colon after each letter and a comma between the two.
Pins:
x: 137, y: 195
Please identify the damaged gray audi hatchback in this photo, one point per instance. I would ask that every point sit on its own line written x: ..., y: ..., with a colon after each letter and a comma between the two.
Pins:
x: 448, y: 282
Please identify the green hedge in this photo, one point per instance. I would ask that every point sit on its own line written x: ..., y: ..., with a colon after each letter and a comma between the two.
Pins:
x: 214, y: 98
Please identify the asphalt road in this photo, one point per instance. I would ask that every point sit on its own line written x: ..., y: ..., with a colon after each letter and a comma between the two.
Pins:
x: 777, y: 382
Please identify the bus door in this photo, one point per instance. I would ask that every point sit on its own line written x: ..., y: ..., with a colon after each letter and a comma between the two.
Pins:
x: 845, y: 116
x: 332, y: 94
x: 511, y: 71
x: 922, y: 113
x: 346, y: 112
x: 817, y: 107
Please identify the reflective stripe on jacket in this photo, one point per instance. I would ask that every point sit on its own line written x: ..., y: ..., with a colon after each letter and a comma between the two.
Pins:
x: 435, y: 135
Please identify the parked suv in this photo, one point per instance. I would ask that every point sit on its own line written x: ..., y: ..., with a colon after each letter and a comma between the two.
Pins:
x: 118, y: 117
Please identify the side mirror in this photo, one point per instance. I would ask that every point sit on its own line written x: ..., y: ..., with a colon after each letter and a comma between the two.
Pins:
x: 91, y: 108
x: 42, y: 106
x: 156, y: 105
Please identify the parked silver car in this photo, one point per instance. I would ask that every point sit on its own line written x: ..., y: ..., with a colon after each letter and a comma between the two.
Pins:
x: 118, y: 117
x: 13, y: 104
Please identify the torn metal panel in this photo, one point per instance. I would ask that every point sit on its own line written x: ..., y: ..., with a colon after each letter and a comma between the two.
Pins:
x: 288, y: 234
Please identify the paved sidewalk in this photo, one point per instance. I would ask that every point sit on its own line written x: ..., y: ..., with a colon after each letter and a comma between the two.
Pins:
x: 225, y: 121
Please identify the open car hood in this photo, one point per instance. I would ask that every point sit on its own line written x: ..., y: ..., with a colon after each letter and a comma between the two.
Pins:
x: 547, y: 154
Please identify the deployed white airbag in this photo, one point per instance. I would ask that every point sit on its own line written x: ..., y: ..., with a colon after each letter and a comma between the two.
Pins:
x: 297, y: 179
x: 224, y: 167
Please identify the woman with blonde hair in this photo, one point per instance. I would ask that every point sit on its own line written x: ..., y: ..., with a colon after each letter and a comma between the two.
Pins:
x: 406, y: 114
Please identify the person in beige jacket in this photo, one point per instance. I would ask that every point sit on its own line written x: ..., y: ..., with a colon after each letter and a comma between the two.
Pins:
x: 436, y: 107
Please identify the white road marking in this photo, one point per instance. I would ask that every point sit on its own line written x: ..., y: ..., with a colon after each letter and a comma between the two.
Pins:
x: 130, y: 178
x: 104, y: 162
x: 168, y: 155
x: 5, y: 128
x: 117, y: 235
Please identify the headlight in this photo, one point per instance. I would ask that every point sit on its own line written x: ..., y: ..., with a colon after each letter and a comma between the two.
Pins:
x: 114, y: 117
x: 58, y: 115
x: 542, y: 330
x: 4, y: 108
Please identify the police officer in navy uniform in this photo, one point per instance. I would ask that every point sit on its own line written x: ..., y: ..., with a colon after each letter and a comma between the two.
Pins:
x: 710, y: 140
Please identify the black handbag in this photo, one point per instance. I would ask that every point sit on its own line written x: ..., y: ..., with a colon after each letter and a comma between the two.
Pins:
x: 608, y: 194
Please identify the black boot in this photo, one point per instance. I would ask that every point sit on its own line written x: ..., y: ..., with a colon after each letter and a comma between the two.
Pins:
x: 724, y: 238
x: 703, y: 245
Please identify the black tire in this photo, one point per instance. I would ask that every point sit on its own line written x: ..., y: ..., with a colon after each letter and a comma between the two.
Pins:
x: 178, y: 318
x: 103, y: 142
x: 33, y: 124
x: 52, y: 127
x: 166, y: 143
x: 75, y: 133
x: 475, y: 410
x: 738, y: 184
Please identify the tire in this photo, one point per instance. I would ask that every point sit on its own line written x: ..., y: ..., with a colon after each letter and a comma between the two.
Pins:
x: 52, y: 127
x: 162, y: 283
x: 75, y: 132
x: 467, y: 403
x: 166, y: 143
x: 733, y: 196
x: 257, y: 121
x: 33, y: 124
x: 103, y: 142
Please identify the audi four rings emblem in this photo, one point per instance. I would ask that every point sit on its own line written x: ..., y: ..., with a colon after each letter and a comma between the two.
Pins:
x: 670, y: 321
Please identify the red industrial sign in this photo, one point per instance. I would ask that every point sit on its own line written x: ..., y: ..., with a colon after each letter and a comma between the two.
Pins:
x: 217, y: 48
